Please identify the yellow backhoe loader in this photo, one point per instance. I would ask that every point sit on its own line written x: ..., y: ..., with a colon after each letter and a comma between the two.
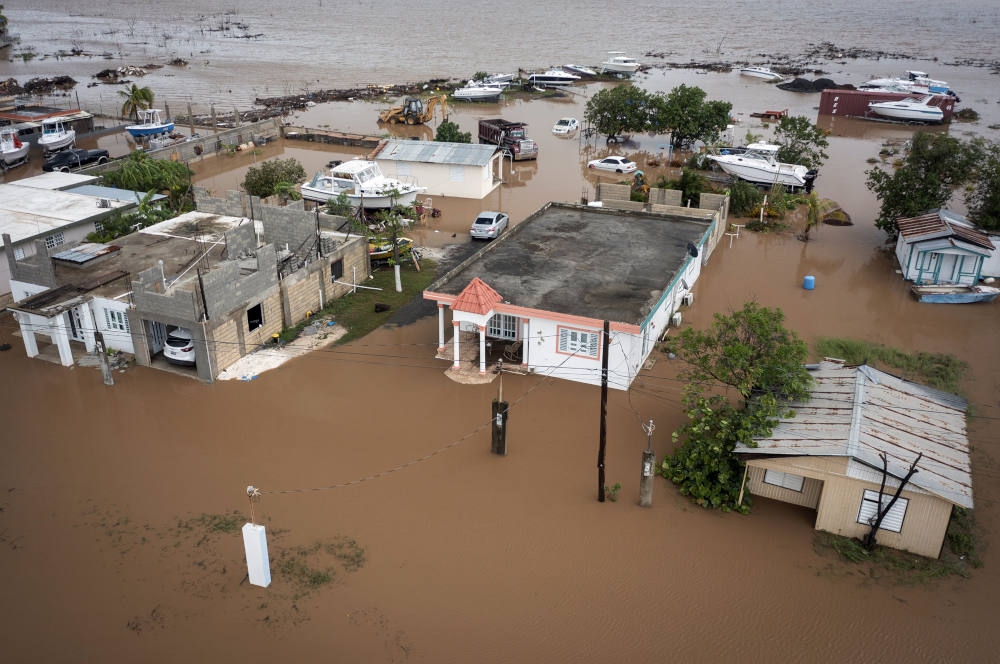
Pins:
x: 415, y: 111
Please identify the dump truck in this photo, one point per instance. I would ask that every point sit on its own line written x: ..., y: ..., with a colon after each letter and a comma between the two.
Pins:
x: 509, y: 136
x: 415, y: 111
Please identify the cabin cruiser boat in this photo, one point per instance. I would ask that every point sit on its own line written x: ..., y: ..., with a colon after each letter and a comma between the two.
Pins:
x: 914, y: 81
x: 478, y: 91
x: 761, y: 72
x: 503, y: 80
x: 13, y: 151
x: 913, y: 110
x: 580, y: 70
x: 150, y: 124
x: 758, y: 163
x: 364, y: 185
x: 619, y: 63
x: 553, y: 78
x: 55, y: 135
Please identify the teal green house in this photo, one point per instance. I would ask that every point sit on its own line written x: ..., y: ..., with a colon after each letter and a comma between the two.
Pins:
x: 941, y: 247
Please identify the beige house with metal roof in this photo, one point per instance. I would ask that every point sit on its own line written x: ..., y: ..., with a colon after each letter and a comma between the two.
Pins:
x: 826, y: 457
x: 465, y: 170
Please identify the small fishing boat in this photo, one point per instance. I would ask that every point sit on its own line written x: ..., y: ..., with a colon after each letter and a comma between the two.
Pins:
x: 553, y: 78
x: 913, y: 110
x: 150, y: 124
x: 579, y: 70
x: 55, y: 135
x: 13, y: 151
x: 363, y: 184
x: 380, y: 249
x: 478, y: 91
x: 758, y: 163
x: 945, y: 294
x: 761, y: 72
x: 619, y: 63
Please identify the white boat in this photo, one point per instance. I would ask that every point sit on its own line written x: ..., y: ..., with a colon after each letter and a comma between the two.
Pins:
x: 55, y: 135
x: 150, y: 124
x: 477, y: 91
x: 363, y: 183
x: 579, y: 69
x: 13, y: 151
x: 499, y: 79
x: 619, y: 63
x: 914, y: 81
x: 914, y: 110
x: 553, y: 78
x: 758, y: 162
x: 761, y: 72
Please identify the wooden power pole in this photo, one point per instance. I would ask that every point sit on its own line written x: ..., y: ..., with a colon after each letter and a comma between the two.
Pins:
x: 604, y: 411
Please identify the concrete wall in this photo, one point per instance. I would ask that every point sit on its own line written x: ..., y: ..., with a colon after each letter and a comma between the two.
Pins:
x: 150, y: 301
x: 241, y: 242
x: 311, y: 287
x: 659, y: 196
x: 227, y: 289
x: 36, y: 268
x: 613, y: 192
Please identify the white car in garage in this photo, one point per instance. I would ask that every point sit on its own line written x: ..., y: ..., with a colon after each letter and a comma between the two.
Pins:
x: 179, y: 348
x: 615, y: 163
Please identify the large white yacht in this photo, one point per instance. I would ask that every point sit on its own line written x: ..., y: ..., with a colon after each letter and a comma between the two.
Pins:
x: 363, y: 183
x: 619, y: 63
x: 758, y: 163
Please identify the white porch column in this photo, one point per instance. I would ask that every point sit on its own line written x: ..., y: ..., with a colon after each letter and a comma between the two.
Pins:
x: 525, y: 342
x: 27, y: 335
x: 440, y: 327
x: 87, y: 325
x: 457, y: 363
x: 60, y: 337
x: 482, y: 349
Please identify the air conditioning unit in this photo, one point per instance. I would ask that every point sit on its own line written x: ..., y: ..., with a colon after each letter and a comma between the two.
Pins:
x: 688, y: 299
x: 103, y: 202
x: 675, y: 320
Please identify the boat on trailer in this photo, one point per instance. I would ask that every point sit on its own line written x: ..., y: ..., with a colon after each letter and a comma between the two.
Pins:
x: 954, y: 294
x: 13, y: 151
x: 363, y: 184
x: 55, y: 136
x: 758, y: 163
x: 150, y: 124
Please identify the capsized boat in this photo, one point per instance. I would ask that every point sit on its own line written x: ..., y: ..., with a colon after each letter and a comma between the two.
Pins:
x: 758, y: 163
x: 553, y: 78
x: 55, y: 135
x: 13, y: 151
x: 478, y: 91
x: 580, y: 70
x: 913, y: 110
x: 619, y: 63
x: 150, y: 124
x: 954, y: 294
x: 363, y: 184
x: 761, y: 72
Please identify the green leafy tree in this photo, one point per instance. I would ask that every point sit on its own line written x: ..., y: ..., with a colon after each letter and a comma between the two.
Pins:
x: 619, y: 110
x: 934, y: 166
x: 263, y: 180
x: 752, y: 352
x: 449, y: 132
x: 140, y: 172
x: 135, y: 99
x: 286, y: 191
x: 340, y: 206
x: 684, y: 113
x: 983, y: 197
x: 801, y: 142
x: 744, y: 198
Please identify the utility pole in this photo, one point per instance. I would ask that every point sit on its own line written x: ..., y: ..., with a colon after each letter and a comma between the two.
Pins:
x: 604, y: 411
x: 646, y: 478
x: 395, y: 255
x: 102, y: 357
x: 500, y: 412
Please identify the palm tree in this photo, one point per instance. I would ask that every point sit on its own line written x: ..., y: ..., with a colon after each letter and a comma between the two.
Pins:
x: 812, y: 215
x: 135, y: 99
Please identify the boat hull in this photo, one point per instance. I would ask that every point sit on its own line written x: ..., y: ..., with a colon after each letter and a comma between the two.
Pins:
x: 477, y: 95
x: 751, y: 172
x: 954, y: 294
x: 767, y: 76
x: 371, y: 202
x: 909, y: 114
x: 547, y: 82
x: 150, y: 130
x: 613, y: 68
x: 15, y: 155
x: 52, y: 142
x: 579, y: 70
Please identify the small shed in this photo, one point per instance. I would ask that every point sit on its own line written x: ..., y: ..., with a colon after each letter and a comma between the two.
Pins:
x: 941, y: 247
x: 465, y: 170
x: 827, y: 457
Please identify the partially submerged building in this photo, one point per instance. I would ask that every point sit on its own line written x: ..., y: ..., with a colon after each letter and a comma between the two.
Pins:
x: 942, y: 247
x: 827, y: 457
x: 465, y: 170
x: 541, y: 292
x: 233, y: 281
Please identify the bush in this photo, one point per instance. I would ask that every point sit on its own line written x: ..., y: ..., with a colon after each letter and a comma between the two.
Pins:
x: 449, y: 132
x: 263, y: 180
x: 744, y: 198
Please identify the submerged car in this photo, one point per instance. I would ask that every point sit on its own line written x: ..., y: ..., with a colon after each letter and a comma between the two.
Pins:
x: 565, y: 126
x: 489, y: 225
x: 74, y: 158
x: 179, y: 348
x: 614, y: 163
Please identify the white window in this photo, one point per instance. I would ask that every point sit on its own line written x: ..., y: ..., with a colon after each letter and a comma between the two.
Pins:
x: 458, y: 173
x: 785, y: 480
x: 581, y: 343
x: 54, y: 240
x: 403, y: 168
x: 869, y: 511
x: 116, y: 320
x: 502, y: 326
x: 18, y: 253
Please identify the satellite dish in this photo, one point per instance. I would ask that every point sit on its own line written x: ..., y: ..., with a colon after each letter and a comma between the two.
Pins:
x: 693, y: 250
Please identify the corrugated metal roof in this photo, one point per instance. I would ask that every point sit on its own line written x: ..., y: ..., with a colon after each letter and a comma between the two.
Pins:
x: 941, y: 223
x: 860, y: 412
x: 113, y: 193
x: 433, y: 152
x: 87, y: 251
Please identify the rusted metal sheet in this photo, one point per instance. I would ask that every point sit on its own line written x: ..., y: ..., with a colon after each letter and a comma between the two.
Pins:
x: 854, y: 103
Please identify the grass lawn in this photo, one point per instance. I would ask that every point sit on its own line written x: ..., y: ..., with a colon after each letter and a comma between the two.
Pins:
x: 938, y: 370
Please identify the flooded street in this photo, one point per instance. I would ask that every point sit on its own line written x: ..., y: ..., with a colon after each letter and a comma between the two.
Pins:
x: 118, y: 538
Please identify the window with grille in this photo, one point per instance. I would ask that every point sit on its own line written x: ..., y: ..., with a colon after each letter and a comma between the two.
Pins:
x: 784, y: 480
x: 98, y: 227
x: 579, y: 342
x: 893, y: 520
x: 502, y: 326
x: 18, y: 253
x: 116, y: 320
x: 54, y: 240
x: 337, y: 269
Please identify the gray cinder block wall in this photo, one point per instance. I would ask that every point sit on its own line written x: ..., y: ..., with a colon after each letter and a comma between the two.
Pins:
x: 226, y: 290
x: 37, y: 269
x: 241, y: 241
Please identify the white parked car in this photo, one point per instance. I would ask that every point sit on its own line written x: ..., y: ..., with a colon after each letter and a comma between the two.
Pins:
x: 489, y: 225
x: 565, y: 126
x: 614, y: 163
x: 179, y: 348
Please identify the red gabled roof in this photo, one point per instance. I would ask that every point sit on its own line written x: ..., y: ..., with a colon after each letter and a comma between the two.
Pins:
x: 933, y: 223
x: 477, y: 298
